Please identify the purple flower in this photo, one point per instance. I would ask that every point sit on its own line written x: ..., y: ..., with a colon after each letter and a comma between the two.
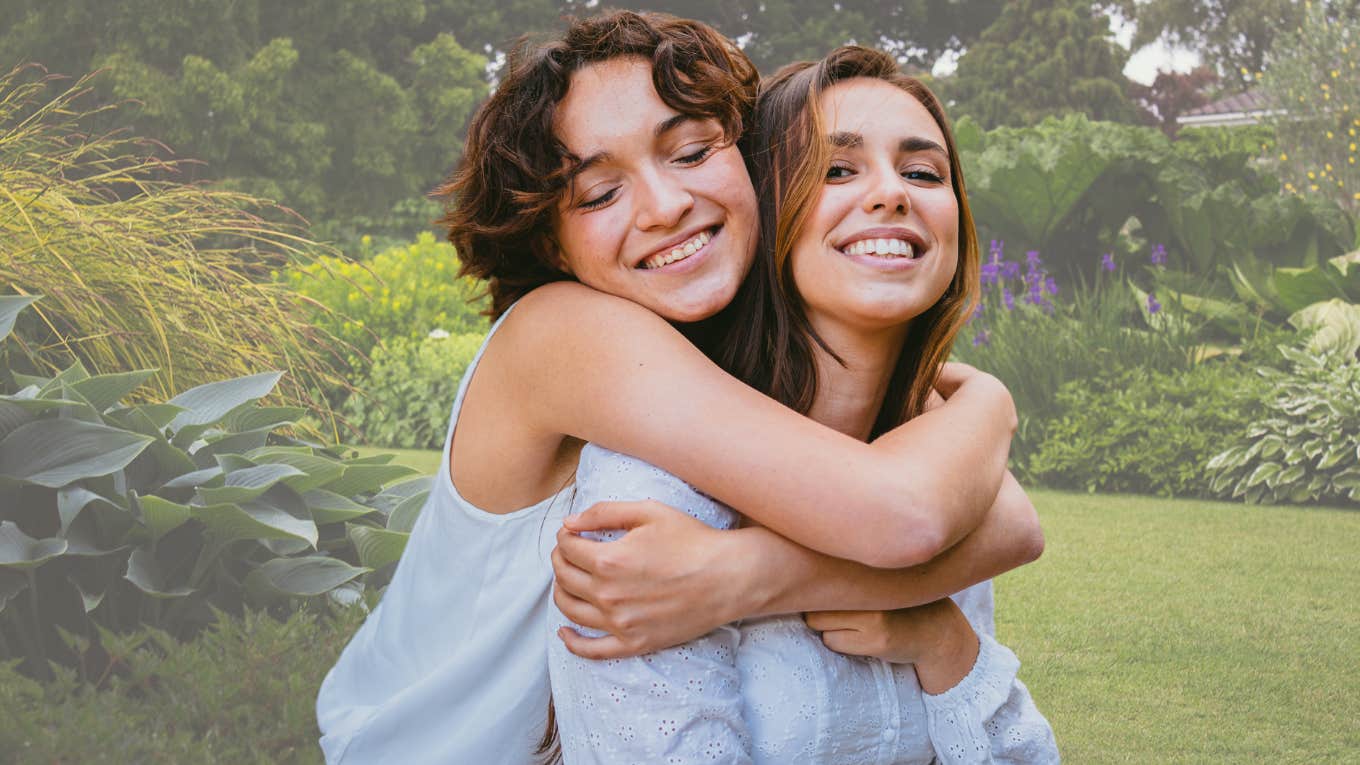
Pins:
x: 997, y: 251
x: 982, y: 338
x: 990, y: 274
x: 1007, y: 298
x: 1051, y: 285
x: 1032, y: 260
x: 1107, y: 261
x: 1010, y: 269
x: 976, y: 311
x: 1158, y: 256
x: 1152, y: 305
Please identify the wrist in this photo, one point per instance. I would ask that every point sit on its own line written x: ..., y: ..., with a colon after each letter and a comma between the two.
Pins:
x: 749, y: 578
x: 951, y: 656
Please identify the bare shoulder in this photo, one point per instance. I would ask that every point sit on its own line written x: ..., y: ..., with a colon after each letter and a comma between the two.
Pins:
x: 568, y: 317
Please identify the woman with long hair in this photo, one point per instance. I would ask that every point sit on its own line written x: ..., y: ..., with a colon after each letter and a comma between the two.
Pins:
x: 867, y: 270
x: 603, y: 197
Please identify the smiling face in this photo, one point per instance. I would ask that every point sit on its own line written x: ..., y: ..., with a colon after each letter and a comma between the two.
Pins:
x: 881, y: 243
x: 661, y: 210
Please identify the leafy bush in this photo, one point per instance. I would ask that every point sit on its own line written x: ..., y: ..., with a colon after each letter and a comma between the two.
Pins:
x: 1145, y: 431
x: 115, y: 515
x: 404, y: 400
x: 407, y: 291
x: 1307, y: 447
x: 1036, y: 335
x: 141, y: 270
x: 242, y: 692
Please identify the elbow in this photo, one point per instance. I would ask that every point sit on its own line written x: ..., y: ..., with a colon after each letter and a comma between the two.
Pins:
x: 1033, y: 545
x: 911, y: 539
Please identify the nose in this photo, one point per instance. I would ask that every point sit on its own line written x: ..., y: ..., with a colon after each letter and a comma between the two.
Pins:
x: 887, y: 191
x: 663, y: 201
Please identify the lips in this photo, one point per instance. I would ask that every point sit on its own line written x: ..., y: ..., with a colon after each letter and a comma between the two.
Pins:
x: 884, y: 243
x: 678, y: 250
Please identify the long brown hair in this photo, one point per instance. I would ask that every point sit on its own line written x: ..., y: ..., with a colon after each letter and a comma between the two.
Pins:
x: 513, y: 170
x: 770, y: 342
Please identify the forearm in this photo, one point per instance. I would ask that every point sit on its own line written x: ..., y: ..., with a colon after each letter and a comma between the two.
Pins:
x: 957, y: 452
x: 786, y: 577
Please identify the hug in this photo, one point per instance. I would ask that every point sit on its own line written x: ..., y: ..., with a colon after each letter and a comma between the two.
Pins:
x: 711, y: 490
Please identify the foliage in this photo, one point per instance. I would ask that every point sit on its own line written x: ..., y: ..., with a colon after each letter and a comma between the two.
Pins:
x: 1036, y: 335
x: 1233, y: 36
x: 1313, y: 82
x: 1305, y: 448
x: 1146, y: 432
x: 242, y: 692
x: 406, y: 291
x: 140, y: 270
x: 1171, y: 94
x: 113, y: 516
x: 1042, y: 58
x: 1070, y: 186
x: 405, y: 397
x: 335, y: 109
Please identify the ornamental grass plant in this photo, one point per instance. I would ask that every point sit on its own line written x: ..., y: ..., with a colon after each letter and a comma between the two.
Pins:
x: 140, y: 270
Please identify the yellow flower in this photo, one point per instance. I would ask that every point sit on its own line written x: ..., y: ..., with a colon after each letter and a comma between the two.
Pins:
x: 1284, y: 157
x: 1289, y: 187
x: 1350, y: 160
x: 1356, y: 196
x: 1335, y: 74
x: 1329, y: 135
x: 1245, y: 73
x: 1313, y: 186
x: 1328, y: 166
x: 1352, y: 145
x: 1311, y: 176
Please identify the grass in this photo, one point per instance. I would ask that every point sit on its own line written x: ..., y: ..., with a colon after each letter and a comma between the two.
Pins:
x: 1175, y: 631
x: 424, y: 460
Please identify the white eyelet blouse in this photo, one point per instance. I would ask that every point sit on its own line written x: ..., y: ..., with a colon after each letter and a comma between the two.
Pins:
x: 767, y: 690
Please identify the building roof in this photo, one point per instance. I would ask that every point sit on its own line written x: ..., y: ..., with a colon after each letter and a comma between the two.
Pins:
x: 1238, y: 109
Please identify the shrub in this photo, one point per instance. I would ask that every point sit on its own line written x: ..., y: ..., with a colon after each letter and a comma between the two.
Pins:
x: 242, y: 692
x: 141, y: 270
x: 1307, y: 446
x: 114, y: 515
x: 404, y: 400
x: 403, y: 292
x: 1146, y: 431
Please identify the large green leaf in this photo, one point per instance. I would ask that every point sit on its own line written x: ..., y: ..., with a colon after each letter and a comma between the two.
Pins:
x: 272, y: 516
x: 377, y: 547
x: 1302, y: 287
x: 71, y: 500
x: 103, y: 391
x: 247, y: 484
x: 262, y: 417
x: 316, y: 471
x: 206, y: 404
x: 162, y: 516
x: 10, y: 307
x: 1336, y: 326
x: 363, y: 479
x: 20, y: 551
x: 403, y: 517
x: 54, y: 453
x: 146, y: 575
x: 329, y: 507
x: 306, y: 577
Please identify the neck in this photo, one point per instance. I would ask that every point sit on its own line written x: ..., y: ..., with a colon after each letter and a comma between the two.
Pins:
x: 849, y: 397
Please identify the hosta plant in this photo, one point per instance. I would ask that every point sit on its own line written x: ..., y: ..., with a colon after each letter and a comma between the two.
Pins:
x: 1307, y: 447
x: 115, y: 516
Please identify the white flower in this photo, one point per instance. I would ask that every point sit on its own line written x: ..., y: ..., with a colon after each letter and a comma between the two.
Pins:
x: 438, y: 334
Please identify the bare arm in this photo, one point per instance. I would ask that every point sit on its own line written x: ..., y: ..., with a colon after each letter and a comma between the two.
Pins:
x: 606, y: 370
x: 671, y: 578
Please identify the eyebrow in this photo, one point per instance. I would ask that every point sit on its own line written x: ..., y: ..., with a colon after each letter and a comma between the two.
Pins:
x: 600, y: 157
x: 905, y: 146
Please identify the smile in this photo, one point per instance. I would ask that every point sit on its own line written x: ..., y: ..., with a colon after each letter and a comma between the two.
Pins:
x: 677, y: 253
x: 882, y: 248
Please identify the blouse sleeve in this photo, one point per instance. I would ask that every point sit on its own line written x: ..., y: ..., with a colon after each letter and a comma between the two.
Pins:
x: 990, y: 717
x: 678, y: 706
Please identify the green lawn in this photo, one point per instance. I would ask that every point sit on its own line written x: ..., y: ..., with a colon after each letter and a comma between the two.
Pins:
x: 421, y: 459
x: 1161, y: 631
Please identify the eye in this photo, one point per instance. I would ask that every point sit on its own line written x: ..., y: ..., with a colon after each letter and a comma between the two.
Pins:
x: 599, y: 201
x: 839, y: 172
x: 922, y: 174
x: 696, y: 157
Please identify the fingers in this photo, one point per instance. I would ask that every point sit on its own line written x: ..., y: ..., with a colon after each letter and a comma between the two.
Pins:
x: 580, y: 611
x: 609, y: 515
x: 846, y: 642
x: 578, y: 551
x: 607, y: 647
x: 822, y: 621
x: 571, y: 578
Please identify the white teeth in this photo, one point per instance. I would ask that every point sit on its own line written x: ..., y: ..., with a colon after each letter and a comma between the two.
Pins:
x: 884, y: 248
x: 678, y: 253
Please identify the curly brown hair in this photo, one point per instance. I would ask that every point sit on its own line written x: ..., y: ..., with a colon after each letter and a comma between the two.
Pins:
x: 501, y: 195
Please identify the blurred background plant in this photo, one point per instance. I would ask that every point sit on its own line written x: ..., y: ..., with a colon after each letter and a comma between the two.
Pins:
x: 140, y: 270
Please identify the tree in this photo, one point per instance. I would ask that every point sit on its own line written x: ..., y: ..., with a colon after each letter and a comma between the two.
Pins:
x: 1041, y: 58
x: 1233, y: 36
x: 1313, y: 81
x: 1172, y: 94
x: 336, y: 109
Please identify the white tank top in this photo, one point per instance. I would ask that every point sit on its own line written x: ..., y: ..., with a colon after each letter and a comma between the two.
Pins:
x: 451, y: 667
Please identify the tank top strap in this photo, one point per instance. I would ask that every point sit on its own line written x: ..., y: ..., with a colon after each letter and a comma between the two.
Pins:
x: 462, y: 391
